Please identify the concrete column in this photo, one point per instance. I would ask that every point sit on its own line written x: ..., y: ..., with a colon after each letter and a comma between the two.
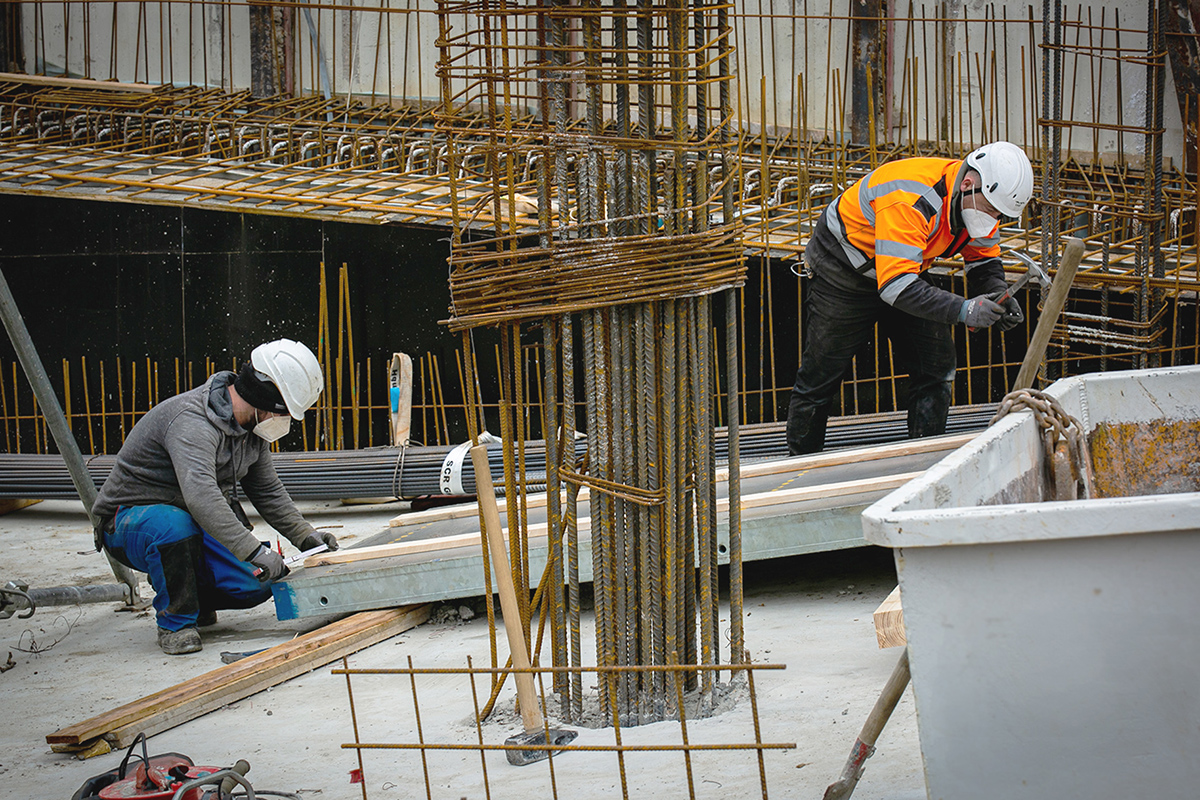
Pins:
x: 272, y: 32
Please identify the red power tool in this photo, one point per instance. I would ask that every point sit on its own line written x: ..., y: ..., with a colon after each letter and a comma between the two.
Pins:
x: 160, y: 777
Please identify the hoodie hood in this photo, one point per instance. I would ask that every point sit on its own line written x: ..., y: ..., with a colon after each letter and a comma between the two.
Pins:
x: 219, y: 407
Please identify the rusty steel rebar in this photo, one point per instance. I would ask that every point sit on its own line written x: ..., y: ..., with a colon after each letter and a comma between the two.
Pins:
x: 672, y: 673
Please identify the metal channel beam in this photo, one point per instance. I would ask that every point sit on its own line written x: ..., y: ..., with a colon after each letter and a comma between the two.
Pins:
x: 458, y: 572
x: 770, y: 531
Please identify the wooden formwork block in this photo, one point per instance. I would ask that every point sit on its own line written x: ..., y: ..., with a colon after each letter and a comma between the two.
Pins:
x: 889, y: 621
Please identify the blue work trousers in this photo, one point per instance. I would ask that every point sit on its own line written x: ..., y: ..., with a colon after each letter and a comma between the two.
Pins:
x: 188, y: 569
x: 841, y: 323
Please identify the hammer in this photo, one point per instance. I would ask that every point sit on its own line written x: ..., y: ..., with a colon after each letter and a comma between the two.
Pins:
x: 1032, y: 273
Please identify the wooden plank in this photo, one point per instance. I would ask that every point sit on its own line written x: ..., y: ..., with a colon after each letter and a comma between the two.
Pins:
x: 776, y: 467
x: 777, y: 497
x: 840, y: 489
x: 394, y: 549
x: 461, y: 511
x: 537, y: 530
x: 75, y: 83
x: 889, y: 621
x: 232, y: 682
x: 11, y: 504
x: 400, y: 384
x: 857, y: 455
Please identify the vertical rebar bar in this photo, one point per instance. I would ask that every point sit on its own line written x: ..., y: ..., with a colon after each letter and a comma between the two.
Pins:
x: 571, y: 514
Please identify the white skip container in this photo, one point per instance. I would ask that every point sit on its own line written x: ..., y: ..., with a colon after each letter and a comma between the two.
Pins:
x: 1055, y: 645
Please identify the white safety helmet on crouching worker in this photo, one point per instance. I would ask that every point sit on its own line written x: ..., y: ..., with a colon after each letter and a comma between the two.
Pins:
x: 293, y: 369
x: 1006, y: 175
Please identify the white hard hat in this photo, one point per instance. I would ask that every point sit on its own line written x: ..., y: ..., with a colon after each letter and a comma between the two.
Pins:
x: 1007, y: 176
x: 293, y: 369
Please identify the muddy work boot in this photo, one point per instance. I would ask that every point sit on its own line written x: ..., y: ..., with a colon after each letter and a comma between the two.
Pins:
x: 176, y: 643
x: 805, y: 427
x: 206, y: 618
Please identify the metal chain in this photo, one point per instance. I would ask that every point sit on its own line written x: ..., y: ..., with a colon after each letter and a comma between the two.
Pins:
x: 1057, y: 425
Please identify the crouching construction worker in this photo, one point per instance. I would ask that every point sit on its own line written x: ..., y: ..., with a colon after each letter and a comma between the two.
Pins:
x: 867, y: 259
x: 170, y: 507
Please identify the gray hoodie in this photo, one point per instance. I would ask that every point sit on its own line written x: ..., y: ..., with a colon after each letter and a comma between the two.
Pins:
x: 189, y: 451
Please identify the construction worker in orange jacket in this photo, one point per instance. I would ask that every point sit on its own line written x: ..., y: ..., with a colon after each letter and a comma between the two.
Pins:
x: 867, y: 260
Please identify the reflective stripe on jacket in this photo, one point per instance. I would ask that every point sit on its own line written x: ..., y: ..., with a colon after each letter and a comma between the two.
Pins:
x: 895, y: 221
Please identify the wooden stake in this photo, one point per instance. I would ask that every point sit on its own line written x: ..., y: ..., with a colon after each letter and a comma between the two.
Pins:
x: 400, y: 398
x: 531, y: 711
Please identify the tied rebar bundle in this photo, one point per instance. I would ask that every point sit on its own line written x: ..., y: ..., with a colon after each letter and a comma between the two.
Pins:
x: 619, y: 276
x: 493, y: 285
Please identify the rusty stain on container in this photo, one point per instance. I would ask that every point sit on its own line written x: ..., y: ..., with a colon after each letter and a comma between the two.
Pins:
x: 1146, y: 458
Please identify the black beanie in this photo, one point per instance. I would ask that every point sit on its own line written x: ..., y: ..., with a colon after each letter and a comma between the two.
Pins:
x: 259, y: 391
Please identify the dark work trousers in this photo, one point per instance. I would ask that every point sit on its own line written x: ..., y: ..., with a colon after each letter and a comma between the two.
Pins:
x: 840, y: 324
x: 188, y: 569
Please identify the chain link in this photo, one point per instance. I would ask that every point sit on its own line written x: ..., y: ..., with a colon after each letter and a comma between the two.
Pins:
x: 1057, y: 425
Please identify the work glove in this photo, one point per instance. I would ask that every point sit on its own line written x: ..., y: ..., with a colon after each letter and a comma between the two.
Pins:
x: 268, y: 564
x: 318, y: 538
x: 1013, y: 315
x: 980, y: 312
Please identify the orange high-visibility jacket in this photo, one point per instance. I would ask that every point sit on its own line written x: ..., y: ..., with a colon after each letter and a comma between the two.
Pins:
x: 895, y: 221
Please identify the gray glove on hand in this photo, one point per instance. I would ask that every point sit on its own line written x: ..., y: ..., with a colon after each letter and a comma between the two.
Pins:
x: 318, y: 538
x: 1013, y: 315
x: 980, y: 312
x: 269, y: 564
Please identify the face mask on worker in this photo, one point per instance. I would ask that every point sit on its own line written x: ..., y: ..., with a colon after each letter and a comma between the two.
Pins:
x: 273, y: 428
x: 978, y: 223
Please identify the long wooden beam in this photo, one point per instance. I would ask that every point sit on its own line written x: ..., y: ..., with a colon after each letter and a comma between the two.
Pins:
x: 759, y: 500
x: 185, y: 701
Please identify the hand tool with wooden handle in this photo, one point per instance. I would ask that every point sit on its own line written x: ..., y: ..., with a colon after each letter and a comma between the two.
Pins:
x: 864, y: 746
x: 1053, y: 306
x: 1032, y: 273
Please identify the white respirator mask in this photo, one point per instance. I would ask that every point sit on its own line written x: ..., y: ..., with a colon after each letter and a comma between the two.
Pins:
x: 272, y: 429
x: 978, y: 223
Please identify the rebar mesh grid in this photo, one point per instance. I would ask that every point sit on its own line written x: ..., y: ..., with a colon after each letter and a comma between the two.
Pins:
x: 638, y: 755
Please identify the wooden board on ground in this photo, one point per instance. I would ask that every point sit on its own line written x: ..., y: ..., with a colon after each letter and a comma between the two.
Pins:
x: 10, y: 504
x: 889, y: 621
x: 232, y: 682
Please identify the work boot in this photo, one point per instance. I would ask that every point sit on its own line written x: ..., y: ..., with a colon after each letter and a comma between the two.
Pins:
x: 927, y: 412
x: 177, y: 643
x: 805, y: 427
x: 206, y: 618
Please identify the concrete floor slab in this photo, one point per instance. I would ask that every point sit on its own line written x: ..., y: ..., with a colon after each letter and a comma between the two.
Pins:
x: 811, y: 612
